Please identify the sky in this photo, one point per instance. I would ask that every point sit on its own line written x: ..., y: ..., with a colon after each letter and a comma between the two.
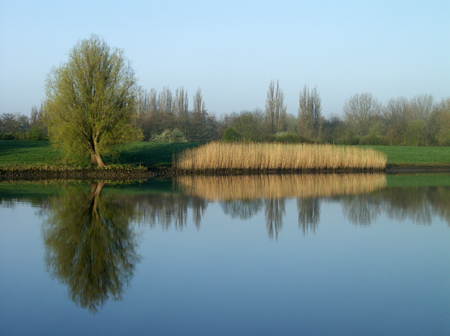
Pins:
x: 233, y: 49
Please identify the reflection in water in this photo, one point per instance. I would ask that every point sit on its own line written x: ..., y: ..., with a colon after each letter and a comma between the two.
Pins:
x: 243, y: 209
x: 90, y: 246
x: 241, y: 196
x: 168, y: 208
x: 274, y: 211
x: 361, y: 210
x: 416, y: 203
x: 247, y: 187
x: 308, y: 214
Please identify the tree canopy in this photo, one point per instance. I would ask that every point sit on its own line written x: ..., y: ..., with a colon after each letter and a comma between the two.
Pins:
x: 90, y: 104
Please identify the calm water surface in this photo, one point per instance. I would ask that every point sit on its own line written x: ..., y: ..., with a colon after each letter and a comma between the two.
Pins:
x: 246, y: 255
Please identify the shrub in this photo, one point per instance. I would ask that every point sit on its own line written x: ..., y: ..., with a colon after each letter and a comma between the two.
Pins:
x: 350, y: 138
x: 374, y: 140
x: 169, y: 136
x: 8, y: 136
x: 286, y: 137
x: 230, y: 135
x: 36, y: 133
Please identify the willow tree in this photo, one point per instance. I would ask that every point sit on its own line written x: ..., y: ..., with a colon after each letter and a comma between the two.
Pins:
x: 90, y: 104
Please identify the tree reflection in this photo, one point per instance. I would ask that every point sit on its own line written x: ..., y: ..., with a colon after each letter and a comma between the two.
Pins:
x: 165, y: 209
x: 361, y: 209
x: 274, y: 212
x: 419, y: 204
x: 308, y: 214
x: 243, y: 209
x: 89, y: 245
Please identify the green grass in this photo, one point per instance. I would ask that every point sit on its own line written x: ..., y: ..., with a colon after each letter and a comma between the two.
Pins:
x: 397, y: 155
x: 25, y: 153
x: 149, y: 154
x: 29, y: 154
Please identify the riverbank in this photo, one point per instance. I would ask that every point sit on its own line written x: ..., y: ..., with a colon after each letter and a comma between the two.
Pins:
x: 142, y: 160
x: 141, y: 173
x: 415, y: 168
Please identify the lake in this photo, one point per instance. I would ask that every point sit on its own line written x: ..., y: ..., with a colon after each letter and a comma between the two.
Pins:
x: 355, y: 254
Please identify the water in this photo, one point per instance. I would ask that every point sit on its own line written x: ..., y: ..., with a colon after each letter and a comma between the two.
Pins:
x: 260, y: 255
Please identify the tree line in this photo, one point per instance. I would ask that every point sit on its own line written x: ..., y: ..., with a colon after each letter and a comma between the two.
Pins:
x: 419, y: 121
x: 16, y: 126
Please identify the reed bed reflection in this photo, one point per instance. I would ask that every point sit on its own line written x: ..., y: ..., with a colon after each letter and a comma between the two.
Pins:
x: 248, y: 187
x: 271, y: 156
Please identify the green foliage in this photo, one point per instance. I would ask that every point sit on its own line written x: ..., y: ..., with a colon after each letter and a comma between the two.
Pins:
x: 415, y: 133
x: 248, y: 125
x: 230, y: 135
x: 374, y: 140
x: 36, y: 133
x: 8, y: 136
x: 169, y: 136
x: 349, y: 138
x: 332, y: 129
x: 90, y: 105
x: 377, y: 129
x: 286, y: 137
x: 443, y: 136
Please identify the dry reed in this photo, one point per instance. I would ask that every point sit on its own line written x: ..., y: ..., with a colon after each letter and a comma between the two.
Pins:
x: 243, y: 187
x: 265, y: 156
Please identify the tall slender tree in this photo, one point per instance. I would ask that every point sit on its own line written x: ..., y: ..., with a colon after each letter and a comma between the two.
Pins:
x: 275, y: 108
x: 309, y: 113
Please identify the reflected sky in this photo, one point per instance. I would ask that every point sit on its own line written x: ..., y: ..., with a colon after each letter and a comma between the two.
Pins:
x: 160, y: 258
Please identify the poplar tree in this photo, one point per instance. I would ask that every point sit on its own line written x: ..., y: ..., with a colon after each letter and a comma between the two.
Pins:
x: 275, y: 108
x: 91, y: 101
x: 309, y: 113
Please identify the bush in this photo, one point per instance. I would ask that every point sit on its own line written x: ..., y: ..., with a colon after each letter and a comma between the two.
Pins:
x: 169, y: 136
x: 36, y: 133
x: 230, y: 135
x: 350, y: 138
x: 286, y: 137
x: 374, y: 140
x: 8, y: 136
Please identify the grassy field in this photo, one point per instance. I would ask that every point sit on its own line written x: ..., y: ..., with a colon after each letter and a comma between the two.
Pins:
x: 41, y: 154
x: 23, y: 154
x: 414, y: 155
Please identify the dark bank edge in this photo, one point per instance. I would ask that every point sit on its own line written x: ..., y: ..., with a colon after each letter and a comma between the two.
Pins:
x: 166, y: 172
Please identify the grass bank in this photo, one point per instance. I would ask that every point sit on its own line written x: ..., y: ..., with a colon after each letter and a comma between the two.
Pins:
x: 414, y: 155
x: 22, y: 155
x: 275, y: 156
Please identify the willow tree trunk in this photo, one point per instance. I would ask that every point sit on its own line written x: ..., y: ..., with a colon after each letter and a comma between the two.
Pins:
x: 97, y: 159
x: 95, y: 155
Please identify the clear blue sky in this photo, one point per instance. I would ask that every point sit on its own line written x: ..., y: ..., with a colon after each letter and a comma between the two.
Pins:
x: 232, y: 49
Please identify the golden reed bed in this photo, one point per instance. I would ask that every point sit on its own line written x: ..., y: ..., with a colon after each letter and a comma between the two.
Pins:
x: 246, y: 187
x: 265, y: 156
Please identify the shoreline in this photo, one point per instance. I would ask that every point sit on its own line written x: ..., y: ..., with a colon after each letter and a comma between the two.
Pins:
x: 167, y: 172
